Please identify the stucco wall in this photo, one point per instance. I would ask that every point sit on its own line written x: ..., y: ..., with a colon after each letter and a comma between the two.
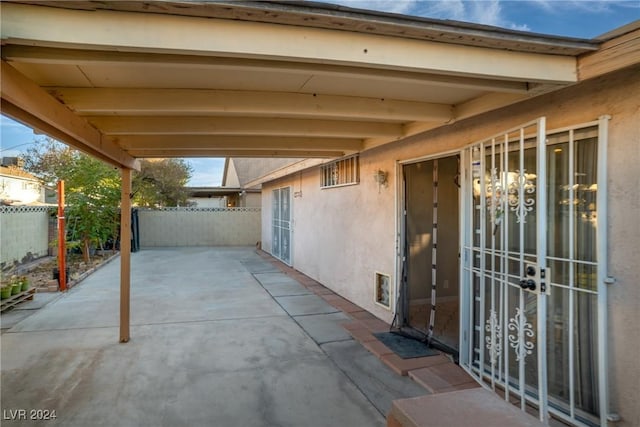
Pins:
x: 199, y: 227
x: 24, y: 234
x: 252, y: 200
x: 342, y: 235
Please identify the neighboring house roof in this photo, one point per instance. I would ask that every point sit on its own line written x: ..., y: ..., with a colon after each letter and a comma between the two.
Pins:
x: 196, y: 192
x: 240, y: 171
x: 229, y: 174
x: 17, y: 173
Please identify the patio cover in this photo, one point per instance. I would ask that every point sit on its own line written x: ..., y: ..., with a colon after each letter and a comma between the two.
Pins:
x: 123, y: 80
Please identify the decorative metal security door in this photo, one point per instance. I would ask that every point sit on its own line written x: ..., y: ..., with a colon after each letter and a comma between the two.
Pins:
x: 281, y: 224
x: 504, y: 269
x: 534, y: 277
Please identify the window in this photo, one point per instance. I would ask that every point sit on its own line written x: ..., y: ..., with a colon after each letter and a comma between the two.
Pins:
x: 341, y: 172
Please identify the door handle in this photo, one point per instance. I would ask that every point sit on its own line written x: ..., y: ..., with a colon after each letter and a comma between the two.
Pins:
x: 535, y: 279
x: 528, y: 284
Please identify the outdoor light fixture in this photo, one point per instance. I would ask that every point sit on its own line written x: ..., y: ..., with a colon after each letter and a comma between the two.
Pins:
x: 380, y: 177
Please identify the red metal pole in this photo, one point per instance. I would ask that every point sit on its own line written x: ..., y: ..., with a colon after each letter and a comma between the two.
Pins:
x: 62, y: 240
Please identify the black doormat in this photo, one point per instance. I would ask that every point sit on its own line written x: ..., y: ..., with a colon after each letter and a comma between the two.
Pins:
x: 404, y: 347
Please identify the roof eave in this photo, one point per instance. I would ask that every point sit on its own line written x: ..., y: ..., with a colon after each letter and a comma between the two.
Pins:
x: 329, y: 16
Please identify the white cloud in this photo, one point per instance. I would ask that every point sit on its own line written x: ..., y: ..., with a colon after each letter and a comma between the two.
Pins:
x: 487, y: 12
x: 391, y: 6
x: 546, y: 5
x: 5, y: 121
x: 519, y: 27
x: 584, y: 6
x: 205, y: 179
x: 453, y: 9
x: 206, y: 172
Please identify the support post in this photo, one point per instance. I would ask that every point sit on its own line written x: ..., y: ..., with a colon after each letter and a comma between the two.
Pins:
x: 125, y: 254
x: 62, y: 240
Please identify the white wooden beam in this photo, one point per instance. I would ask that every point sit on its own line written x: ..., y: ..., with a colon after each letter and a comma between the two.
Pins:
x: 164, y: 102
x: 410, y: 129
x: 84, y: 57
x: 188, y: 143
x: 124, y: 31
x: 465, y: 110
x: 260, y: 126
x: 485, y: 103
x: 31, y: 105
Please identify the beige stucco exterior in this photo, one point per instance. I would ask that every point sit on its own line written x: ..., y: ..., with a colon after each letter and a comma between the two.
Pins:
x: 342, y: 236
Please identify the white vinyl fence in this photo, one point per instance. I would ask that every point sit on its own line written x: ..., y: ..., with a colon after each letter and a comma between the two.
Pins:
x: 199, y: 227
x: 24, y: 234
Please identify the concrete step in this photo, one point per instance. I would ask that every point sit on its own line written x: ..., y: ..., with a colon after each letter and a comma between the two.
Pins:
x: 443, y: 378
x: 475, y: 407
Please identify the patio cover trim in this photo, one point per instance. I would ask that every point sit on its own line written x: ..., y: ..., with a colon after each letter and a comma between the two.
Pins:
x: 313, y: 14
x: 258, y: 40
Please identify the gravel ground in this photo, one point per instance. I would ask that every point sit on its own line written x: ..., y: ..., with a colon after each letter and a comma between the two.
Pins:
x: 40, y: 272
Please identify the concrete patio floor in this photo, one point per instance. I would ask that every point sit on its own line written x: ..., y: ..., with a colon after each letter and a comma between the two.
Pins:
x: 219, y: 337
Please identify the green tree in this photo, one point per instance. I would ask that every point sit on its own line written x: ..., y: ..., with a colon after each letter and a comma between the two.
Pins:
x: 92, y: 188
x: 92, y: 191
x: 49, y: 160
x: 93, y: 201
x: 161, y: 183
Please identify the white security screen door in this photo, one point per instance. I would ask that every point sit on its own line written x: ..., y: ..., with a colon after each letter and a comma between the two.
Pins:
x: 504, y: 263
x: 281, y: 224
x: 533, y: 269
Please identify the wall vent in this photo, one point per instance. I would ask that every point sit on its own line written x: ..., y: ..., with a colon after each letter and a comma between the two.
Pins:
x: 383, y: 290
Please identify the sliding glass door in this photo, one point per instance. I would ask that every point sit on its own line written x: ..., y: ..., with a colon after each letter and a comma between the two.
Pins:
x: 281, y: 224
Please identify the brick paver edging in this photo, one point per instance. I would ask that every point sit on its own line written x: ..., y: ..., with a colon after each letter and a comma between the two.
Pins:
x: 363, y: 325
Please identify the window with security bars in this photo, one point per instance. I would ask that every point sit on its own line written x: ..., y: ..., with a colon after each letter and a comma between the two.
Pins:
x: 341, y: 172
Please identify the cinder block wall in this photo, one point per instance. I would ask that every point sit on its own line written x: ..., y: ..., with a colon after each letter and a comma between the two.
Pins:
x: 173, y: 227
x: 23, y: 234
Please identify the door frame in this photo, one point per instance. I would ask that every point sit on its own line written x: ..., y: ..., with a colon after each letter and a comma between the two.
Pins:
x: 400, y: 304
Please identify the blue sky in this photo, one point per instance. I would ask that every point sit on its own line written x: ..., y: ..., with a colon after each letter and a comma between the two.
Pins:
x: 571, y: 18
